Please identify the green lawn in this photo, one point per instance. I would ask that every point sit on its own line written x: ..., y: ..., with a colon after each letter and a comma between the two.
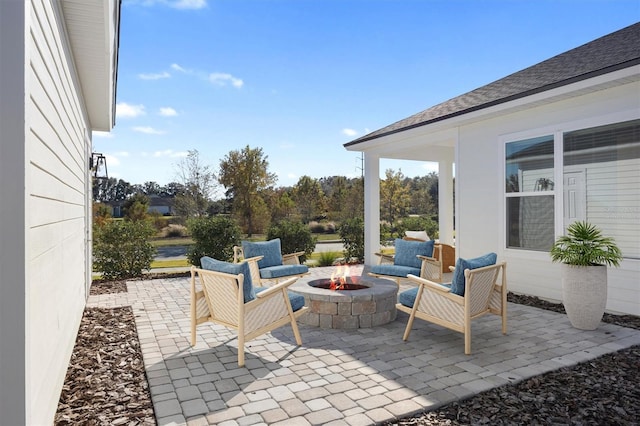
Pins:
x: 186, y: 241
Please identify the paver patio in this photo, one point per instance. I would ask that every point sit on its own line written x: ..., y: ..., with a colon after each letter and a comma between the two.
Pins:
x: 339, y: 377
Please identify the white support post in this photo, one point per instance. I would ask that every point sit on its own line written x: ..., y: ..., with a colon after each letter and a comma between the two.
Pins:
x: 371, y: 207
x: 445, y: 201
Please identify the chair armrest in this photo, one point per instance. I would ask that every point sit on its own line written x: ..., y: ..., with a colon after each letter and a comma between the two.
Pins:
x: 276, y: 288
x: 429, y: 284
x: 382, y: 258
x: 292, y: 258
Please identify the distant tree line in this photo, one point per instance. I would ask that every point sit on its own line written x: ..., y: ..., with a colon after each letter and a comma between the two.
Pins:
x: 255, y: 203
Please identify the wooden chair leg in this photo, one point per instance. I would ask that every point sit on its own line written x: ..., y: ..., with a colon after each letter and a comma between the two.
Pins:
x: 240, y: 350
x: 407, y: 330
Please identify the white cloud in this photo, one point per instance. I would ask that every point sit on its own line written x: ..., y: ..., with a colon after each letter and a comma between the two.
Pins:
x: 125, y: 110
x: 222, y: 79
x: 188, y: 4
x: 112, y: 160
x: 99, y: 134
x: 154, y: 76
x: 168, y: 112
x: 177, y: 67
x: 148, y: 130
x: 122, y: 154
x: 349, y: 132
x: 170, y: 153
x: 175, y: 4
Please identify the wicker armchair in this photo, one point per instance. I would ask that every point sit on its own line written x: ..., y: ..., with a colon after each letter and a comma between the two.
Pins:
x: 485, y: 292
x: 229, y: 300
x: 411, y: 257
x: 267, y: 263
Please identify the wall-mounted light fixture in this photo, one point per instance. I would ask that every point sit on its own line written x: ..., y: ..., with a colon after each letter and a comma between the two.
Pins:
x: 98, y: 166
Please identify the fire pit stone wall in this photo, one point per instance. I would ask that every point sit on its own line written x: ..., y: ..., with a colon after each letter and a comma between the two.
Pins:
x: 366, y: 308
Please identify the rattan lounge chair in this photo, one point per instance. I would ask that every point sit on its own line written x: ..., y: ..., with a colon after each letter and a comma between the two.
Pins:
x: 267, y: 263
x: 229, y: 299
x: 485, y: 292
x: 411, y: 257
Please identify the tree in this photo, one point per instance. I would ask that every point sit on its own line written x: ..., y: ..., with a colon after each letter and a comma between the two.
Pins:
x: 309, y: 198
x: 112, y: 189
x: 394, y: 196
x: 198, y: 182
x: 151, y: 188
x: 244, y: 173
x: 353, y: 204
x: 136, y: 207
x: 420, y: 188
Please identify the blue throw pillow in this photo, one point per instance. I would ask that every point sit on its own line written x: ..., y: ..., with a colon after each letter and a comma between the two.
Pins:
x: 269, y: 249
x: 406, y: 252
x: 458, y: 283
x: 232, y: 268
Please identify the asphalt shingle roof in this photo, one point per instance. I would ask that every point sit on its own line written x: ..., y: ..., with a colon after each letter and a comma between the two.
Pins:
x: 615, y: 51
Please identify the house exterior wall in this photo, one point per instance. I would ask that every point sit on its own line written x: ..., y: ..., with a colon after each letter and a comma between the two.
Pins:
x: 12, y: 213
x: 49, y: 160
x: 480, y: 203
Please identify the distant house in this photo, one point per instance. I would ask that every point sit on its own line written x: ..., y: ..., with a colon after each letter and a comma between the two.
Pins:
x: 162, y: 205
x: 157, y: 204
x: 534, y: 151
x: 58, y: 72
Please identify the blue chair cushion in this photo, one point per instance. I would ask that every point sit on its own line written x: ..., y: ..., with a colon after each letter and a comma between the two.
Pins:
x: 283, y: 271
x: 406, y: 252
x: 408, y: 297
x: 248, y: 290
x: 271, y: 250
x: 458, y: 283
x: 395, y: 270
x: 296, y: 300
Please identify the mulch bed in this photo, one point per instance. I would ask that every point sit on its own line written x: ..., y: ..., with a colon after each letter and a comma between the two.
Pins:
x: 106, y: 381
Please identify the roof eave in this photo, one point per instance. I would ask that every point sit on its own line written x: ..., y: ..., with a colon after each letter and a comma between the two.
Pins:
x: 93, y: 29
x: 518, y: 96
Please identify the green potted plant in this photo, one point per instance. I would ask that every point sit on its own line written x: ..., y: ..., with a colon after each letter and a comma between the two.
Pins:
x: 585, y: 254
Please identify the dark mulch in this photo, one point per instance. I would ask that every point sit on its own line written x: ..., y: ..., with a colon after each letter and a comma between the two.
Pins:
x: 107, y: 287
x: 106, y: 382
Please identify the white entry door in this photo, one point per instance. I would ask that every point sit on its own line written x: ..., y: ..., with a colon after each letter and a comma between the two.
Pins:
x: 575, y: 201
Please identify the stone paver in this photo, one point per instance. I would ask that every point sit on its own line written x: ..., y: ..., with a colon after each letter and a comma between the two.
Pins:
x: 339, y: 377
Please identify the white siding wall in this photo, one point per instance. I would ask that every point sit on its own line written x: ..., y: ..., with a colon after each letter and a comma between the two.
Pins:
x: 56, y: 144
x: 480, y: 186
x: 613, y: 214
x: 12, y: 213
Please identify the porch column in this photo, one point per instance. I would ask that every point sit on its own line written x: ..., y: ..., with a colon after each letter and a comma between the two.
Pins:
x: 445, y: 200
x: 371, y: 207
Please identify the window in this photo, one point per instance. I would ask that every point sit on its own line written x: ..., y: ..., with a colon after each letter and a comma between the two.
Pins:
x: 529, y: 193
x: 602, y: 181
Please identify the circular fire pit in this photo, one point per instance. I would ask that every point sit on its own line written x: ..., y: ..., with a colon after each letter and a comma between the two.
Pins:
x: 372, y: 304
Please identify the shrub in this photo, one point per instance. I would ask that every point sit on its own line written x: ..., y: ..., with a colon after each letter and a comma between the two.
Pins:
x: 352, y: 234
x: 328, y: 258
x: 122, y: 249
x: 294, y: 237
x: 174, y: 230
x: 316, y: 227
x: 421, y: 223
x: 214, y: 237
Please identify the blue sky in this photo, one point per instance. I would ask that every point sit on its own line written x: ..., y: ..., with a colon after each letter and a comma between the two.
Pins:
x: 299, y: 78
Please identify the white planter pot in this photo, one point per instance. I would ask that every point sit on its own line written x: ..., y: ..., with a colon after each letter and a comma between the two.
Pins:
x: 584, y: 294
